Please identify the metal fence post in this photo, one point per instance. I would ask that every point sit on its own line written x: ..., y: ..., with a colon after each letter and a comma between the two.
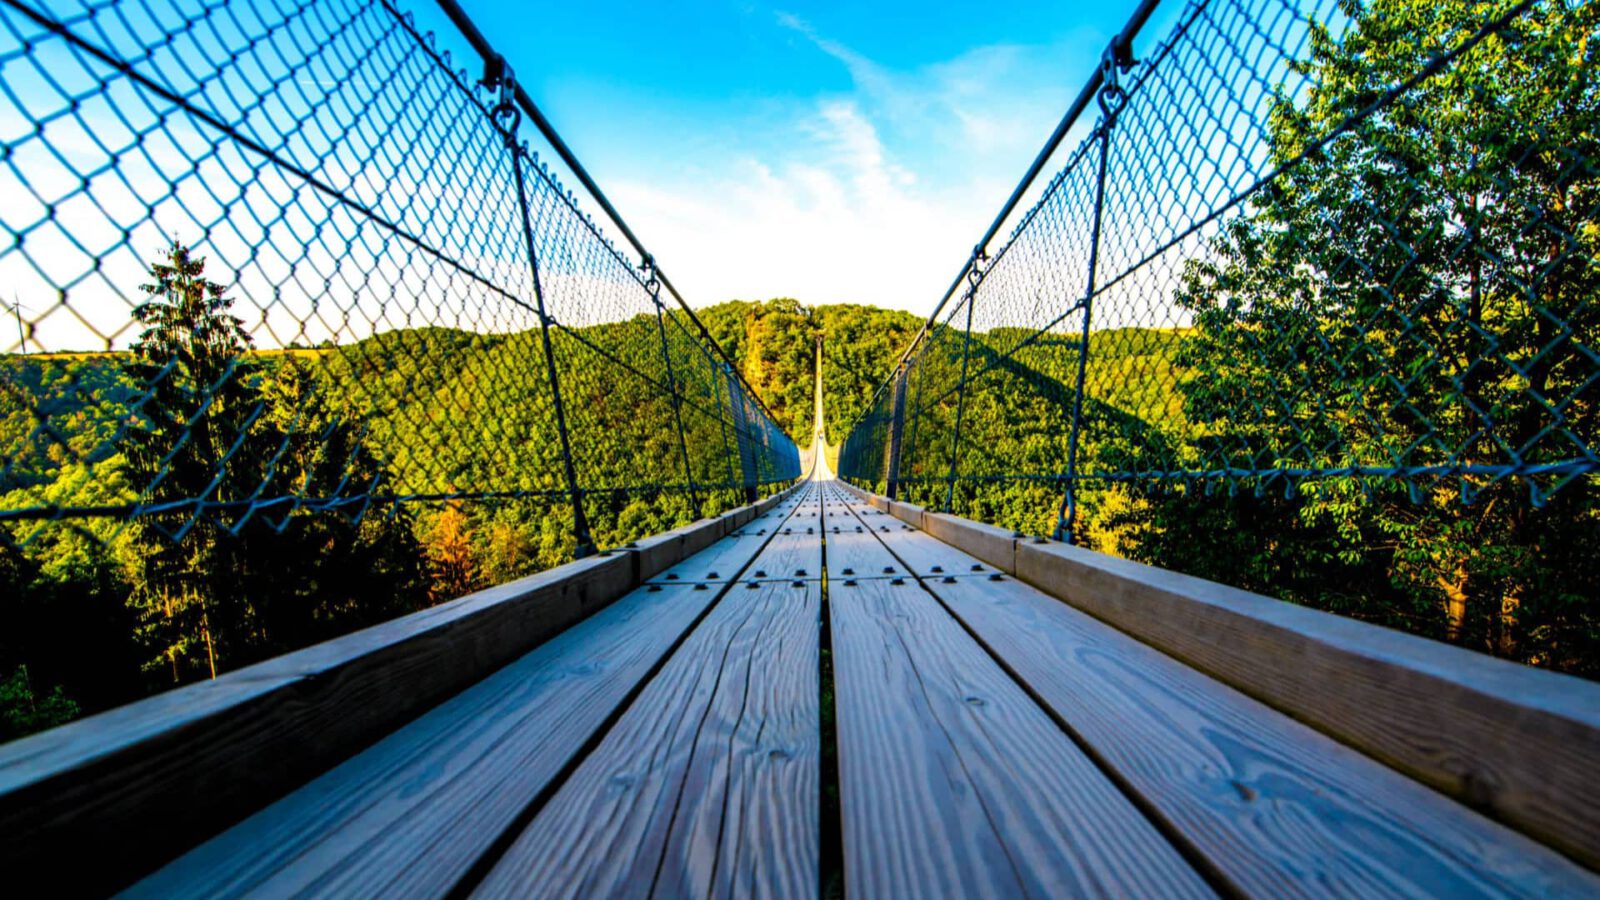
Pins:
x: 897, y: 420
x: 974, y: 275
x: 653, y: 285
x: 722, y: 422
x: 908, y: 449
x: 580, y: 521
x: 1111, y: 97
x: 741, y: 433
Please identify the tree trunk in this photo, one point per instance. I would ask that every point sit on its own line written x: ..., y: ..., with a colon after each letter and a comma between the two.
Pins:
x: 211, y: 651
x: 1455, y: 603
x: 1506, y: 639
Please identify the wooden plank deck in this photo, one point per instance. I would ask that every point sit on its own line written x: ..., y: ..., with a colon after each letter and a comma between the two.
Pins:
x: 953, y: 782
x: 708, y: 785
x: 452, y: 780
x: 991, y: 741
x: 1270, y: 805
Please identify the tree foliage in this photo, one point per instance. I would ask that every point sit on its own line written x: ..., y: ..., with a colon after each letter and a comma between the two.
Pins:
x: 1417, y: 291
x: 774, y: 345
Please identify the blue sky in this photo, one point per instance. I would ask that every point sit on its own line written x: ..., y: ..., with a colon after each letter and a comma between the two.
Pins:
x: 833, y: 153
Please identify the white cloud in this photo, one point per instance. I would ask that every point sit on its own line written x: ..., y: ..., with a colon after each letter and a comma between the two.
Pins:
x: 834, y: 221
x: 873, y: 196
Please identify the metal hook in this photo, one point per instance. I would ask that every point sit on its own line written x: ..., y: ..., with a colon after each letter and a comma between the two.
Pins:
x: 497, y: 77
x: 1118, y: 58
x: 652, y: 282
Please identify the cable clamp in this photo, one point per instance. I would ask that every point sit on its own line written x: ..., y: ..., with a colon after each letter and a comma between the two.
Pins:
x: 497, y: 77
x: 652, y: 282
x: 1117, y: 59
x: 975, y: 266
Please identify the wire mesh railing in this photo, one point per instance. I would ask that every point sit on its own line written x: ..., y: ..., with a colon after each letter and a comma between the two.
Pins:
x: 1310, y: 306
x: 301, y: 321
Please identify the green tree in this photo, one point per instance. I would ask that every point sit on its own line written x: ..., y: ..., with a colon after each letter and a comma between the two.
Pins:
x: 315, y: 573
x: 188, y: 445
x: 1419, y: 291
x: 292, y: 553
x: 774, y: 346
x: 24, y: 710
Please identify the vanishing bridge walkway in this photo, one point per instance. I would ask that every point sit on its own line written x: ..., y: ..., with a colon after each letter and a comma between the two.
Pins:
x: 982, y: 738
x: 1247, y: 279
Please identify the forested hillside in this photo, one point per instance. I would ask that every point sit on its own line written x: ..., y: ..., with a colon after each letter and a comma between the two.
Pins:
x: 97, y: 612
x: 101, y: 612
x: 774, y: 344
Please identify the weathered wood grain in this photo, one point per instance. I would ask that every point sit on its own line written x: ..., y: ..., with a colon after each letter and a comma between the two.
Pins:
x: 1517, y: 743
x: 792, y: 553
x: 751, y: 800
x: 720, y: 561
x: 953, y: 782
x: 962, y: 761
x: 909, y: 513
x: 661, y: 551
x: 856, y: 553
x: 709, y: 783
x: 666, y: 553
x: 411, y: 814
x: 414, y: 812
x: 1235, y: 777
x: 1276, y: 807
x: 926, y: 556
x: 1520, y: 743
x: 200, y: 758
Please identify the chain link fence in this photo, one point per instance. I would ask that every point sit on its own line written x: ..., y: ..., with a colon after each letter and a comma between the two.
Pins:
x: 290, y: 303
x: 1310, y: 306
x: 376, y: 222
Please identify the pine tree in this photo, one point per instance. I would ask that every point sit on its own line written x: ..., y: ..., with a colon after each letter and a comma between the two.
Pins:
x: 187, y: 446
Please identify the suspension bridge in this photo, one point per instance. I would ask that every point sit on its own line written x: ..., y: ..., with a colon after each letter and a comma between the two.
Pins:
x: 690, y: 659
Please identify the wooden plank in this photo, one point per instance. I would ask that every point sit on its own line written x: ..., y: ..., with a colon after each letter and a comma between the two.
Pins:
x: 453, y: 780
x: 792, y: 553
x: 752, y: 801
x: 200, y: 758
x: 995, y: 546
x: 909, y: 513
x: 660, y: 551
x: 720, y: 561
x: 723, y: 559
x: 666, y: 552
x: 846, y: 490
x: 768, y: 503
x: 709, y: 783
x: 1183, y: 741
x: 916, y: 552
x: 851, y: 552
x: 1517, y: 742
x: 953, y: 782
x: 1275, y: 807
x: 411, y: 814
x: 854, y: 553
x: 926, y: 556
